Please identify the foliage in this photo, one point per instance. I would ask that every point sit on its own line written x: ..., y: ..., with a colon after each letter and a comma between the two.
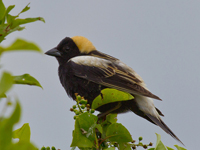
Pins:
x: 20, y: 44
x: 6, y: 132
x: 94, y: 133
x: 9, y: 24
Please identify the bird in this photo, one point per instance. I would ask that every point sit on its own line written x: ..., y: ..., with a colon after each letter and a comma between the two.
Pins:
x: 86, y: 71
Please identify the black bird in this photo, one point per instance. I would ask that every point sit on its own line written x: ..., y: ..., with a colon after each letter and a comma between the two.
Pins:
x: 86, y: 71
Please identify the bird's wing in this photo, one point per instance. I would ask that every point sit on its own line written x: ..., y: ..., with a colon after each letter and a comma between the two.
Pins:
x: 123, y: 67
x: 108, y: 73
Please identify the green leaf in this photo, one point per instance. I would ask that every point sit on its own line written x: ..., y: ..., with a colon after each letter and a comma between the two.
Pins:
x: 112, y: 118
x: 151, y: 149
x: 169, y: 148
x: 6, y: 83
x: 124, y: 146
x: 25, y: 9
x: 10, y: 19
x: 26, y: 79
x: 9, y: 9
x: 159, y: 144
x: 3, y: 96
x: 109, y: 96
x: 79, y: 139
x: 18, y: 22
x: 23, y: 133
x: 87, y: 122
x: 2, y: 22
x: 99, y: 127
x: 179, y: 148
x: 2, y: 10
x: 6, y: 127
x: 118, y: 133
x: 21, y: 44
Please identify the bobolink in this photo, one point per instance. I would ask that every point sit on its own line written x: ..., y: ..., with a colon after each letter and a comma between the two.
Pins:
x: 86, y: 71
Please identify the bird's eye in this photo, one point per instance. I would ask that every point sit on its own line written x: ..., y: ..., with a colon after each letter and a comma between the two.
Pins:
x: 66, y: 48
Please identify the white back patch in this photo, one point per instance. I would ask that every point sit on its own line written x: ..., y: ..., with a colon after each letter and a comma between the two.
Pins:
x: 91, y: 61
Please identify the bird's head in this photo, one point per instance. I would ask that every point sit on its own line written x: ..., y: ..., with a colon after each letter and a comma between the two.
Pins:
x: 71, y: 47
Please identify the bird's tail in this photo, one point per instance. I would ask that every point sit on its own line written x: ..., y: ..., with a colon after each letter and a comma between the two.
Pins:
x: 161, y: 124
x: 146, y: 109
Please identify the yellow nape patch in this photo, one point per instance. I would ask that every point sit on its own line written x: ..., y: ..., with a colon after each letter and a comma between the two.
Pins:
x: 83, y: 44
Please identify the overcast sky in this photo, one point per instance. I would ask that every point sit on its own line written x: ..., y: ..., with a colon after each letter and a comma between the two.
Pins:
x: 160, y: 40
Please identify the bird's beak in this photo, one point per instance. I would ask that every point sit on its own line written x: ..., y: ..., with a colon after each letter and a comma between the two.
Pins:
x: 53, y: 52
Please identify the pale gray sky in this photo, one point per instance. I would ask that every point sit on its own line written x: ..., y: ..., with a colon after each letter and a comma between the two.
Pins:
x: 158, y: 39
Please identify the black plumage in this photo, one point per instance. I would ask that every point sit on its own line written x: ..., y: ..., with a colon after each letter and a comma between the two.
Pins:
x: 86, y: 71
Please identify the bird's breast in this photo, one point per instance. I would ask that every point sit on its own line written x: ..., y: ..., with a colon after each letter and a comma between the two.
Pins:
x: 73, y: 84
